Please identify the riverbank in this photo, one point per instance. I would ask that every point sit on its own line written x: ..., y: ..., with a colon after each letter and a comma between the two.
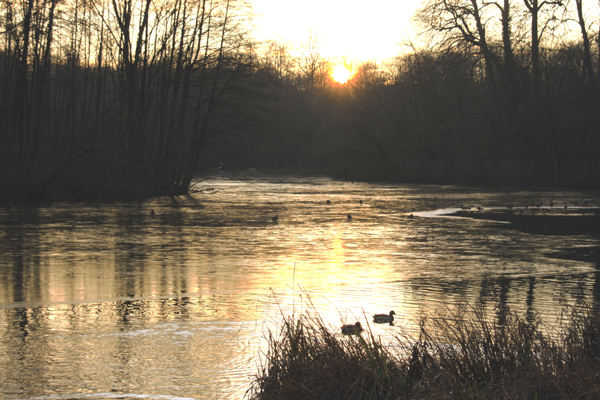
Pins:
x: 549, y: 221
x: 543, y: 220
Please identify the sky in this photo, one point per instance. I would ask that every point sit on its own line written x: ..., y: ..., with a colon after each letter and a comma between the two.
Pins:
x: 357, y: 30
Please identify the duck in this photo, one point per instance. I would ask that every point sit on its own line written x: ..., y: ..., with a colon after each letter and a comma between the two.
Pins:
x: 349, y: 217
x: 275, y: 218
x: 384, y: 318
x: 350, y: 329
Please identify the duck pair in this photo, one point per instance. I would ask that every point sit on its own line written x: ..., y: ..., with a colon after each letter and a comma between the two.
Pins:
x: 357, y: 328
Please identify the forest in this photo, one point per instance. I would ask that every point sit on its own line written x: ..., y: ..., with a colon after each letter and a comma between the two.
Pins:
x: 104, y: 100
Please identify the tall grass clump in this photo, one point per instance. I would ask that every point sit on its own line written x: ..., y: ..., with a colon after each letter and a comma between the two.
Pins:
x: 469, y: 353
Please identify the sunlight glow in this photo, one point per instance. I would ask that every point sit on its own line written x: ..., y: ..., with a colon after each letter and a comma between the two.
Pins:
x: 345, y: 29
x: 341, y: 74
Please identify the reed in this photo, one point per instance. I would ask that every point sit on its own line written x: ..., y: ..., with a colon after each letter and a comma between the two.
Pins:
x: 462, y: 354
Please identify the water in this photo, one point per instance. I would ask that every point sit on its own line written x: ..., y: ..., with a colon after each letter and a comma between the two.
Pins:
x: 107, y: 301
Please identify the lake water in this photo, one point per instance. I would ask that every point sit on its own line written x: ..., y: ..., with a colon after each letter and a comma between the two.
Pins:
x: 109, y: 301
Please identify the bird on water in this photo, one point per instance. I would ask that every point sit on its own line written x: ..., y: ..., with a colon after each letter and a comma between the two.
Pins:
x: 384, y: 318
x: 275, y: 218
x: 349, y: 329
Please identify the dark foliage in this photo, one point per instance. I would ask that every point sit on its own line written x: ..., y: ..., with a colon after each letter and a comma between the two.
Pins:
x: 465, y: 354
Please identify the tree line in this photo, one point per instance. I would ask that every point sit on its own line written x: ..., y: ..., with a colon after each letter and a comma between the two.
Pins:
x: 501, y: 92
x: 116, y: 98
x: 107, y: 99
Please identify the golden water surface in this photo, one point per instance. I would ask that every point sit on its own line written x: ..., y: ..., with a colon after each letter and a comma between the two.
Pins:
x: 109, y: 301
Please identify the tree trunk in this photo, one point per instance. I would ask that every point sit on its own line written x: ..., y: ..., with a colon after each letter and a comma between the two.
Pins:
x: 587, y: 57
x: 20, y: 114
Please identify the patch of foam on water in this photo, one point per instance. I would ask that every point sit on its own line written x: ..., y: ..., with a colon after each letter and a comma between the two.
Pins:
x: 184, y: 333
x: 448, y: 212
x: 438, y: 212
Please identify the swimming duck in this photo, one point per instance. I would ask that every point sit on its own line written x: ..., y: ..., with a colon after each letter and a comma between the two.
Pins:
x: 355, y: 329
x: 384, y: 318
x: 275, y: 218
x: 349, y: 216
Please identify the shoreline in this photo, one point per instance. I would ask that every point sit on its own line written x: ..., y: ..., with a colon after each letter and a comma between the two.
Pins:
x: 540, y: 221
x: 578, y: 221
x: 543, y: 221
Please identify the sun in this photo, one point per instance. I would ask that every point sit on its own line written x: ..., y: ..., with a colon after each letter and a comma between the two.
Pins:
x: 341, y: 74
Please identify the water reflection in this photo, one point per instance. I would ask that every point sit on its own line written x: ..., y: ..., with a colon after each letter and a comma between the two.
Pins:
x: 109, y: 299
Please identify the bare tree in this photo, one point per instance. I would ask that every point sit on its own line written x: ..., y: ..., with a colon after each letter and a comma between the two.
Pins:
x: 278, y: 58
x: 587, y: 56
x: 540, y: 21
x: 312, y: 64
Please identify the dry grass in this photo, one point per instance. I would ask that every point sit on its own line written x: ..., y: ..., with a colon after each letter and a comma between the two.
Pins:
x: 455, y: 356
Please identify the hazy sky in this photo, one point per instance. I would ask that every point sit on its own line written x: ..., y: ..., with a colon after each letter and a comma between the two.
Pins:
x: 355, y: 29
